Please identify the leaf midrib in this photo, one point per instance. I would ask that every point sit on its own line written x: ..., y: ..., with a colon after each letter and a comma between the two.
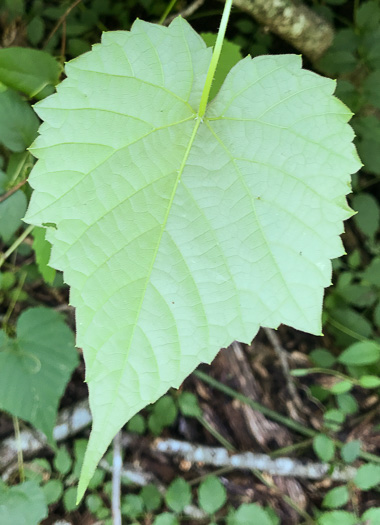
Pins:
x: 163, y: 227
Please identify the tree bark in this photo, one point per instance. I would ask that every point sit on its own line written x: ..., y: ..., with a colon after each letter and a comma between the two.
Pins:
x: 293, y: 22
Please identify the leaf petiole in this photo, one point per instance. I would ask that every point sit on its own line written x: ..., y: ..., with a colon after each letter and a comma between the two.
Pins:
x: 215, y: 58
x: 16, y: 244
x: 20, y: 459
x: 167, y: 11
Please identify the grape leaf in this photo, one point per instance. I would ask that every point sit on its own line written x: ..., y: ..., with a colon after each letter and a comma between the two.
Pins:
x: 12, y: 211
x: 42, y: 249
x: 23, y: 504
x: 18, y: 123
x: 178, y: 234
x: 36, y: 366
x: 31, y: 71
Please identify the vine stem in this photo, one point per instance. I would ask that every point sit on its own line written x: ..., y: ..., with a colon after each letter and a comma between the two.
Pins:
x: 222, y: 440
x: 290, y: 423
x: 215, y: 58
x: 20, y: 459
x: 117, y: 465
x: 285, y: 498
x: 16, y: 244
x: 60, y: 21
x: 167, y: 11
x: 14, y: 300
x: 13, y: 190
x: 300, y: 372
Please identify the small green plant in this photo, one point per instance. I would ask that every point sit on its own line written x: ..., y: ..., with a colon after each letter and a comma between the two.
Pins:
x: 24, y: 504
x: 58, y: 480
x: 35, y: 367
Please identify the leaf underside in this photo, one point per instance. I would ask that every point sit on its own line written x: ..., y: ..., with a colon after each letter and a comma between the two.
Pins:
x: 176, y: 235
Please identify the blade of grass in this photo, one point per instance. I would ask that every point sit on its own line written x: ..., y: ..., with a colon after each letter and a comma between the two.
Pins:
x: 294, y: 425
x: 256, y: 406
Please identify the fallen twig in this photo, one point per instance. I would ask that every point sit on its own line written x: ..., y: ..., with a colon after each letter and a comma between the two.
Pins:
x: 292, y: 496
x: 272, y: 414
x: 185, y: 13
x: 60, y: 21
x: 13, y: 190
x: 130, y: 474
x: 117, y: 464
x: 256, y: 420
x: 283, y: 356
x: 220, y: 457
x: 75, y: 419
x: 70, y: 421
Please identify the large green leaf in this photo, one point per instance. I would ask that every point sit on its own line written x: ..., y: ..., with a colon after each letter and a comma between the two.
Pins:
x: 31, y: 71
x: 18, y: 122
x: 22, y: 504
x: 12, y: 211
x: 42, y: 249
x: 36, y: 366
x: 178, y: 234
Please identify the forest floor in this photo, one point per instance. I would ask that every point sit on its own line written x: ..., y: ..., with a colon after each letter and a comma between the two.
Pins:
x: 263, y: 410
